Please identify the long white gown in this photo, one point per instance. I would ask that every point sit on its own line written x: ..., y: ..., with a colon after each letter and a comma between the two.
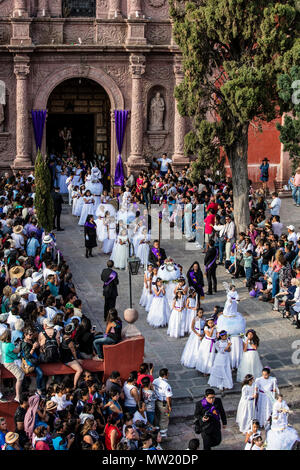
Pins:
x: 177, y: 320
x: 281, y: 436
x: 191, y: 349
x: 79, y: 205
x: 63, y: 188
x: 250, y: 364
x: 248, y: 445
x: 75, y: 195
x: 143, y: 248
x: 159, y: 312
x: 87, y: 209
x: 108, y: 242
x: 207, y: 352
x: 266, y: 389
x: 101, y: 228
x: 234, y: 323
x: 120, y: 252
x: 246, y: 408
x: 143, y: 299
x: 220, y: 374
x: 188, y: 221
x: 149, y: 297
x: 190, y: 314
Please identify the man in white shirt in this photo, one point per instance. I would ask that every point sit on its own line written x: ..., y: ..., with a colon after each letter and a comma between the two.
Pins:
x: 275, y: 204
x: 163, y: 403
x: 277, y: 226
x: 229, y: 235
x: 292, y: 236
x: 164, y: 164
x: 18, y: 238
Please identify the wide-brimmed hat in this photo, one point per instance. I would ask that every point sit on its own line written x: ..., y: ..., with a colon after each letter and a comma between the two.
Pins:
x: 37, y: 276
x: 18, y: 229
x: 51, y: 405
x: 16, y: 271
x: 291, y: 227
x: 23, y: 291
x: 11, y: 437
x: 48, y: 323
x: 47, y: 239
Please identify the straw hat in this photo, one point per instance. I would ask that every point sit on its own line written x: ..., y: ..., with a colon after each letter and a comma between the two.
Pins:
x: 16, y: 271
x: 36, y: 276
x: 18, y: 229
x: 11, y: 437
x: 51, y: 406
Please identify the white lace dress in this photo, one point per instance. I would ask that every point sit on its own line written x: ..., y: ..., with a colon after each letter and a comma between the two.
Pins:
x: 266, y: 389
x: 250, y: 364
x: 191, y: 349
x: 281, y: 436
x: 246, y: 408
x: 177, y: 320
x: 220, y: 374
x: 159, y: 312
x: 207, y: 352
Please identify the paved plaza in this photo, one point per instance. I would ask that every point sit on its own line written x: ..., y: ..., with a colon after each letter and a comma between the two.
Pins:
x: 276, y: 334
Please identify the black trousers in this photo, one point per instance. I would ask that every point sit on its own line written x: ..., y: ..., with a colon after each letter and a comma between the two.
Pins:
x: 110, y: 302
x: 211, y: 440
x: 212, y: 279
x: 56, y: 218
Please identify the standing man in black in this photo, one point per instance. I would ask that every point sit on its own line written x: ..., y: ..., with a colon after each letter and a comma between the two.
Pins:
x: 110, y: 290
x: 210, y: 262
x: 209, y: 413
x: 58, y: 202
x: 157, y: 255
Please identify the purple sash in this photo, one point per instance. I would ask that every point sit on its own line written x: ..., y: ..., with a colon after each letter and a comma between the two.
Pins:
x: 155, y: 251
x: 213, y: 261
x: 211, y: 408
x: 112, y: 276
x: 87, y: 224
x: 212, y: 340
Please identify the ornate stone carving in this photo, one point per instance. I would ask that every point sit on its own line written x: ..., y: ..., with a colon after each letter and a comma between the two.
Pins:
x: 2, y: 104
x: 21, y: 70
x: 157, y: 3
x: 158, y: 34
x: 137, y: 65
x: 4, y: 33
x: 179, y: 121
x: 6, y: 8
x: 109, y: 34
x: 85, y: 32
x: 48, y: 33
x: 164, y: 72
x: 156, y: 113
x: 119, y: 73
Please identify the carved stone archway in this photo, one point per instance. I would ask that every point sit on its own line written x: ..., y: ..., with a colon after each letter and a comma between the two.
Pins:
x: 93, y: 73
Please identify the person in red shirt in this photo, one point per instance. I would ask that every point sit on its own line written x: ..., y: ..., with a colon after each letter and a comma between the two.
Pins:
x: 209, y: 227
x: 213, y: 205
x: 146, y: 370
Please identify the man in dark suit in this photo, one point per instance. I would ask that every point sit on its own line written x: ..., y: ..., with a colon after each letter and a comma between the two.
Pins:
x: 110, y: 290
x: 157, y: 255
x: 210, y: 262
x: 209, y: 414
x: 58, y: 202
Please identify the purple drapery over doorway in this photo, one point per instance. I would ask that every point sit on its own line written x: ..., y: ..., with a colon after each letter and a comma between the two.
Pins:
x: 38, y: 121
x: 121, y: 121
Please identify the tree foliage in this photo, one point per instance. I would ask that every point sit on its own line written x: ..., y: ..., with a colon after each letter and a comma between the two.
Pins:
x: 43, y: 199
x: 232, y: 52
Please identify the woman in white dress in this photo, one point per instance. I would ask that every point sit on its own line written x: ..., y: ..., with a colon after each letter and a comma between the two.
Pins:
x: 265, y: 389
x: 207, y: 350
x: 220, y: 374
x: 151, y: 285
x: 250, y: 363
x: 147, y: 274
x: 108, y: 242
x: 88, y: 207
x: 281, y: 436
x: 63, y: 188
x: 234, y: 323
x: 177, y: 317
x: 159, y: 312
x: 191, y: 349
x: 120, y: 252
x: 143, y: 247
x: 251, y: 432
x: 246, y: 408
x: 192, y: 305
x: 188, y: 214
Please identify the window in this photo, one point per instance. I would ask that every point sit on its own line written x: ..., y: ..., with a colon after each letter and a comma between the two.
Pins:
x: 79, y: 8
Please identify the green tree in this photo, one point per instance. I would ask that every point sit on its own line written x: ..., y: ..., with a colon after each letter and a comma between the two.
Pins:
x: 289, y: 92
x: 231, y: 51
x: 43, y: 199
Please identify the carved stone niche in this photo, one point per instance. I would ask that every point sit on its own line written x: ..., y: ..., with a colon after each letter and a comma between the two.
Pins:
x: 157, y: 111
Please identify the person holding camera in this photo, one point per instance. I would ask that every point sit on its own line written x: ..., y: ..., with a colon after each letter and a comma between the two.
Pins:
x: 209, y: 414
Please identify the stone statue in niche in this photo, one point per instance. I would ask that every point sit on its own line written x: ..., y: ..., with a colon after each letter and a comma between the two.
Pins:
x: 157, y: 109
x: 2, y: 105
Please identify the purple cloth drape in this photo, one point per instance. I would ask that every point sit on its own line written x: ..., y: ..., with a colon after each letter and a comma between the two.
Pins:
x: 38, y: 121
x: 121, y: 121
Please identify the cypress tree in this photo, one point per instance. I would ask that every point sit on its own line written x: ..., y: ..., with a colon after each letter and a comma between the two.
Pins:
x: 231, y: 52
x: 43, y: 199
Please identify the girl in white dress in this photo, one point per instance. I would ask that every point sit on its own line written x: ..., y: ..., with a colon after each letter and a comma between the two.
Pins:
x: 121, y: 252
x: 281, y: 436
x: 159, y: 312
x: 151, y: 285
x: 147, y: 274
x: 75, y: 193
x: 190, y: 352
x: 220, y: 375
x: 250, y: 363
x: 69, y: 183
x: 63, y: 188
x: 177, y: 317
x: 246, y: 409
x: 80, y: 201
x: 143, y: 247
x: 251, y: 432
x: 265, y: 389
x: 207, y: 350
x: 192, y: 306
x: 88, y: 207
x: 101, y: 227
x: 188, y: 213
x: 257, y: 443
x: 108, y: 242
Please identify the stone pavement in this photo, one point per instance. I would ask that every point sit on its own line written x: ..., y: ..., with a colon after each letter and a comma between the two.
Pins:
x: 276, y: 335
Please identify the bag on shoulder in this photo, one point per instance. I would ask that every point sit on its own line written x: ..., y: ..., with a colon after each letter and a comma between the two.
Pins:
x: 26, y: 368
x: 51, y: 351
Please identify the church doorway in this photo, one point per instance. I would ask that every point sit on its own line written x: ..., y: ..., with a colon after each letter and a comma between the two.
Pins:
x: 79, y: 119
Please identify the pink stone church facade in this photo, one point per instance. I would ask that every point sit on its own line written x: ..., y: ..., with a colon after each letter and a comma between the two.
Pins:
x: 88, y: 58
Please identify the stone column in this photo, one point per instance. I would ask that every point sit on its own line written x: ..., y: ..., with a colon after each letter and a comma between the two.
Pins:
x: 21, y: 70
x: 179, y: 121
x: 20, y: 9
x: 114, y: 9
x: 134, y: 6
x: 137, y: 68
x: 43, y: 9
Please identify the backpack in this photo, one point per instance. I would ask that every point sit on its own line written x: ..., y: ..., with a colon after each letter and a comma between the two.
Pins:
x: 51, y: 350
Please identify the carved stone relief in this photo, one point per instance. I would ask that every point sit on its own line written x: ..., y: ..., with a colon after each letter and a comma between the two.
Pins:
x: 108, y: 34
x: 119, y: 73
x: 85, y: 32
x: 158, y: 34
